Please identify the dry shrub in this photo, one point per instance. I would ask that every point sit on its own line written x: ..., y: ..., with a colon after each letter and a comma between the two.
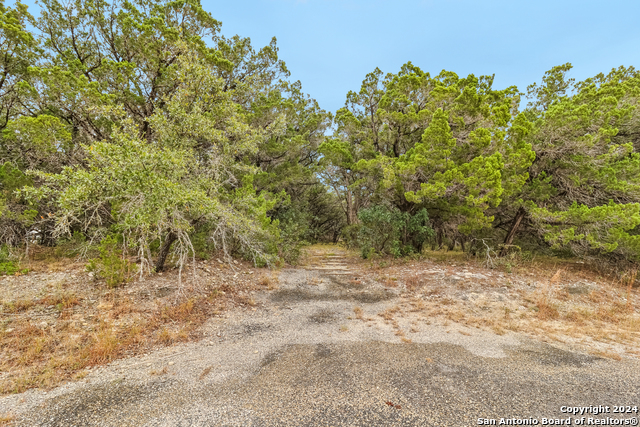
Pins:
x: 162, y: 371
x: 579, y: 316
x: 269, y: 282
x: 609, y: 314
x: 180, y: 312
x: 498, y: 330
x: 390, y: 282
x: 547, y: 310
x: 164, y: 336
x: 598, y: 296
x: 124, y: 306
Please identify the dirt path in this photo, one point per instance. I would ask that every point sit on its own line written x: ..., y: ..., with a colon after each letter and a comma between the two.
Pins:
x: 325, y: 348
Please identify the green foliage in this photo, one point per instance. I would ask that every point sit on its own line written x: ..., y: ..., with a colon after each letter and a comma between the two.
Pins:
x: 139, y: 118
x: 8, y: 264
x: 452, y: 145
x: 583, y: 189
x: 386, y: 230
x: 111, y: 263
x: 349, y: 235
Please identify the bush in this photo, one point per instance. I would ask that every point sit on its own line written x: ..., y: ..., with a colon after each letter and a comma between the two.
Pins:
x: 350, y: 234
x: 386, y: 230
x: 8, y: 265
x: 111, y: 264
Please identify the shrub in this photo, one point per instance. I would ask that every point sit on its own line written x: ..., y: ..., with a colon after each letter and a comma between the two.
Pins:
x: 389, y: 231
x: 8, y: 265
x: 111, y: 263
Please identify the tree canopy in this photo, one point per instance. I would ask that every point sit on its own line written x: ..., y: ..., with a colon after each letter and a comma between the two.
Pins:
x: 141, y: 123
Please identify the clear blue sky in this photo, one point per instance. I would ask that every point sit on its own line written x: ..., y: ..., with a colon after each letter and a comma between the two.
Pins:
x: 330, y: 45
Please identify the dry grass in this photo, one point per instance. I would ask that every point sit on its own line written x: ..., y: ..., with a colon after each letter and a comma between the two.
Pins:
x: 6, y: 419
x: 608, y: 355
x: 566, y: 300
x: 268, y: 281
x: 389, y: 313
x: 64, y: 328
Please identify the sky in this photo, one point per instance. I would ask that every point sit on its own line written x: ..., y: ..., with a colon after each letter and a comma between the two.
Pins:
x: 330, y: 45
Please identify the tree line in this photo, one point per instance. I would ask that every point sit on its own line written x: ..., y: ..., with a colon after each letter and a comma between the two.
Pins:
x: 137, y: 125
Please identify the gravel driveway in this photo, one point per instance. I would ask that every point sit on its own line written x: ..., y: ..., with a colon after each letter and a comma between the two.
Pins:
x: 305, y: 359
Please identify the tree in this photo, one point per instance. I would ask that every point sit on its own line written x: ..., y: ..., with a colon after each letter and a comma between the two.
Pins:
x: 184, y: 177
x: 18, y: 50
x: 443, y: 143
x: 583, y: 187
x: 110, y: 76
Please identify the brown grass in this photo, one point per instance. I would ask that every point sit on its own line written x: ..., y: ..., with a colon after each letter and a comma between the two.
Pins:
x: 91, y: 325
x: 6, y: 419
x: 389, y: 313
x: 608, y: 355
x: 268, y: 282
x: 413, y: 282
x: 608, y: 313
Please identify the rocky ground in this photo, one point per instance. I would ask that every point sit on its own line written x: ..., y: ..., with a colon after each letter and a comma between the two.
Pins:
x: 341, y: 341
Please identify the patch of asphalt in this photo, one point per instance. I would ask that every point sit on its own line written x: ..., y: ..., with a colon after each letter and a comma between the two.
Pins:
x: 311, y: 362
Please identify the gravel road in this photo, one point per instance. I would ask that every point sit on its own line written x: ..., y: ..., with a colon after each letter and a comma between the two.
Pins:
x: 304, y: 359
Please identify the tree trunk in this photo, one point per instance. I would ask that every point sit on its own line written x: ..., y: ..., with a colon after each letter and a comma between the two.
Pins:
x: 439, y: 236
x: 164, y: 251
x: 514, y: 228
